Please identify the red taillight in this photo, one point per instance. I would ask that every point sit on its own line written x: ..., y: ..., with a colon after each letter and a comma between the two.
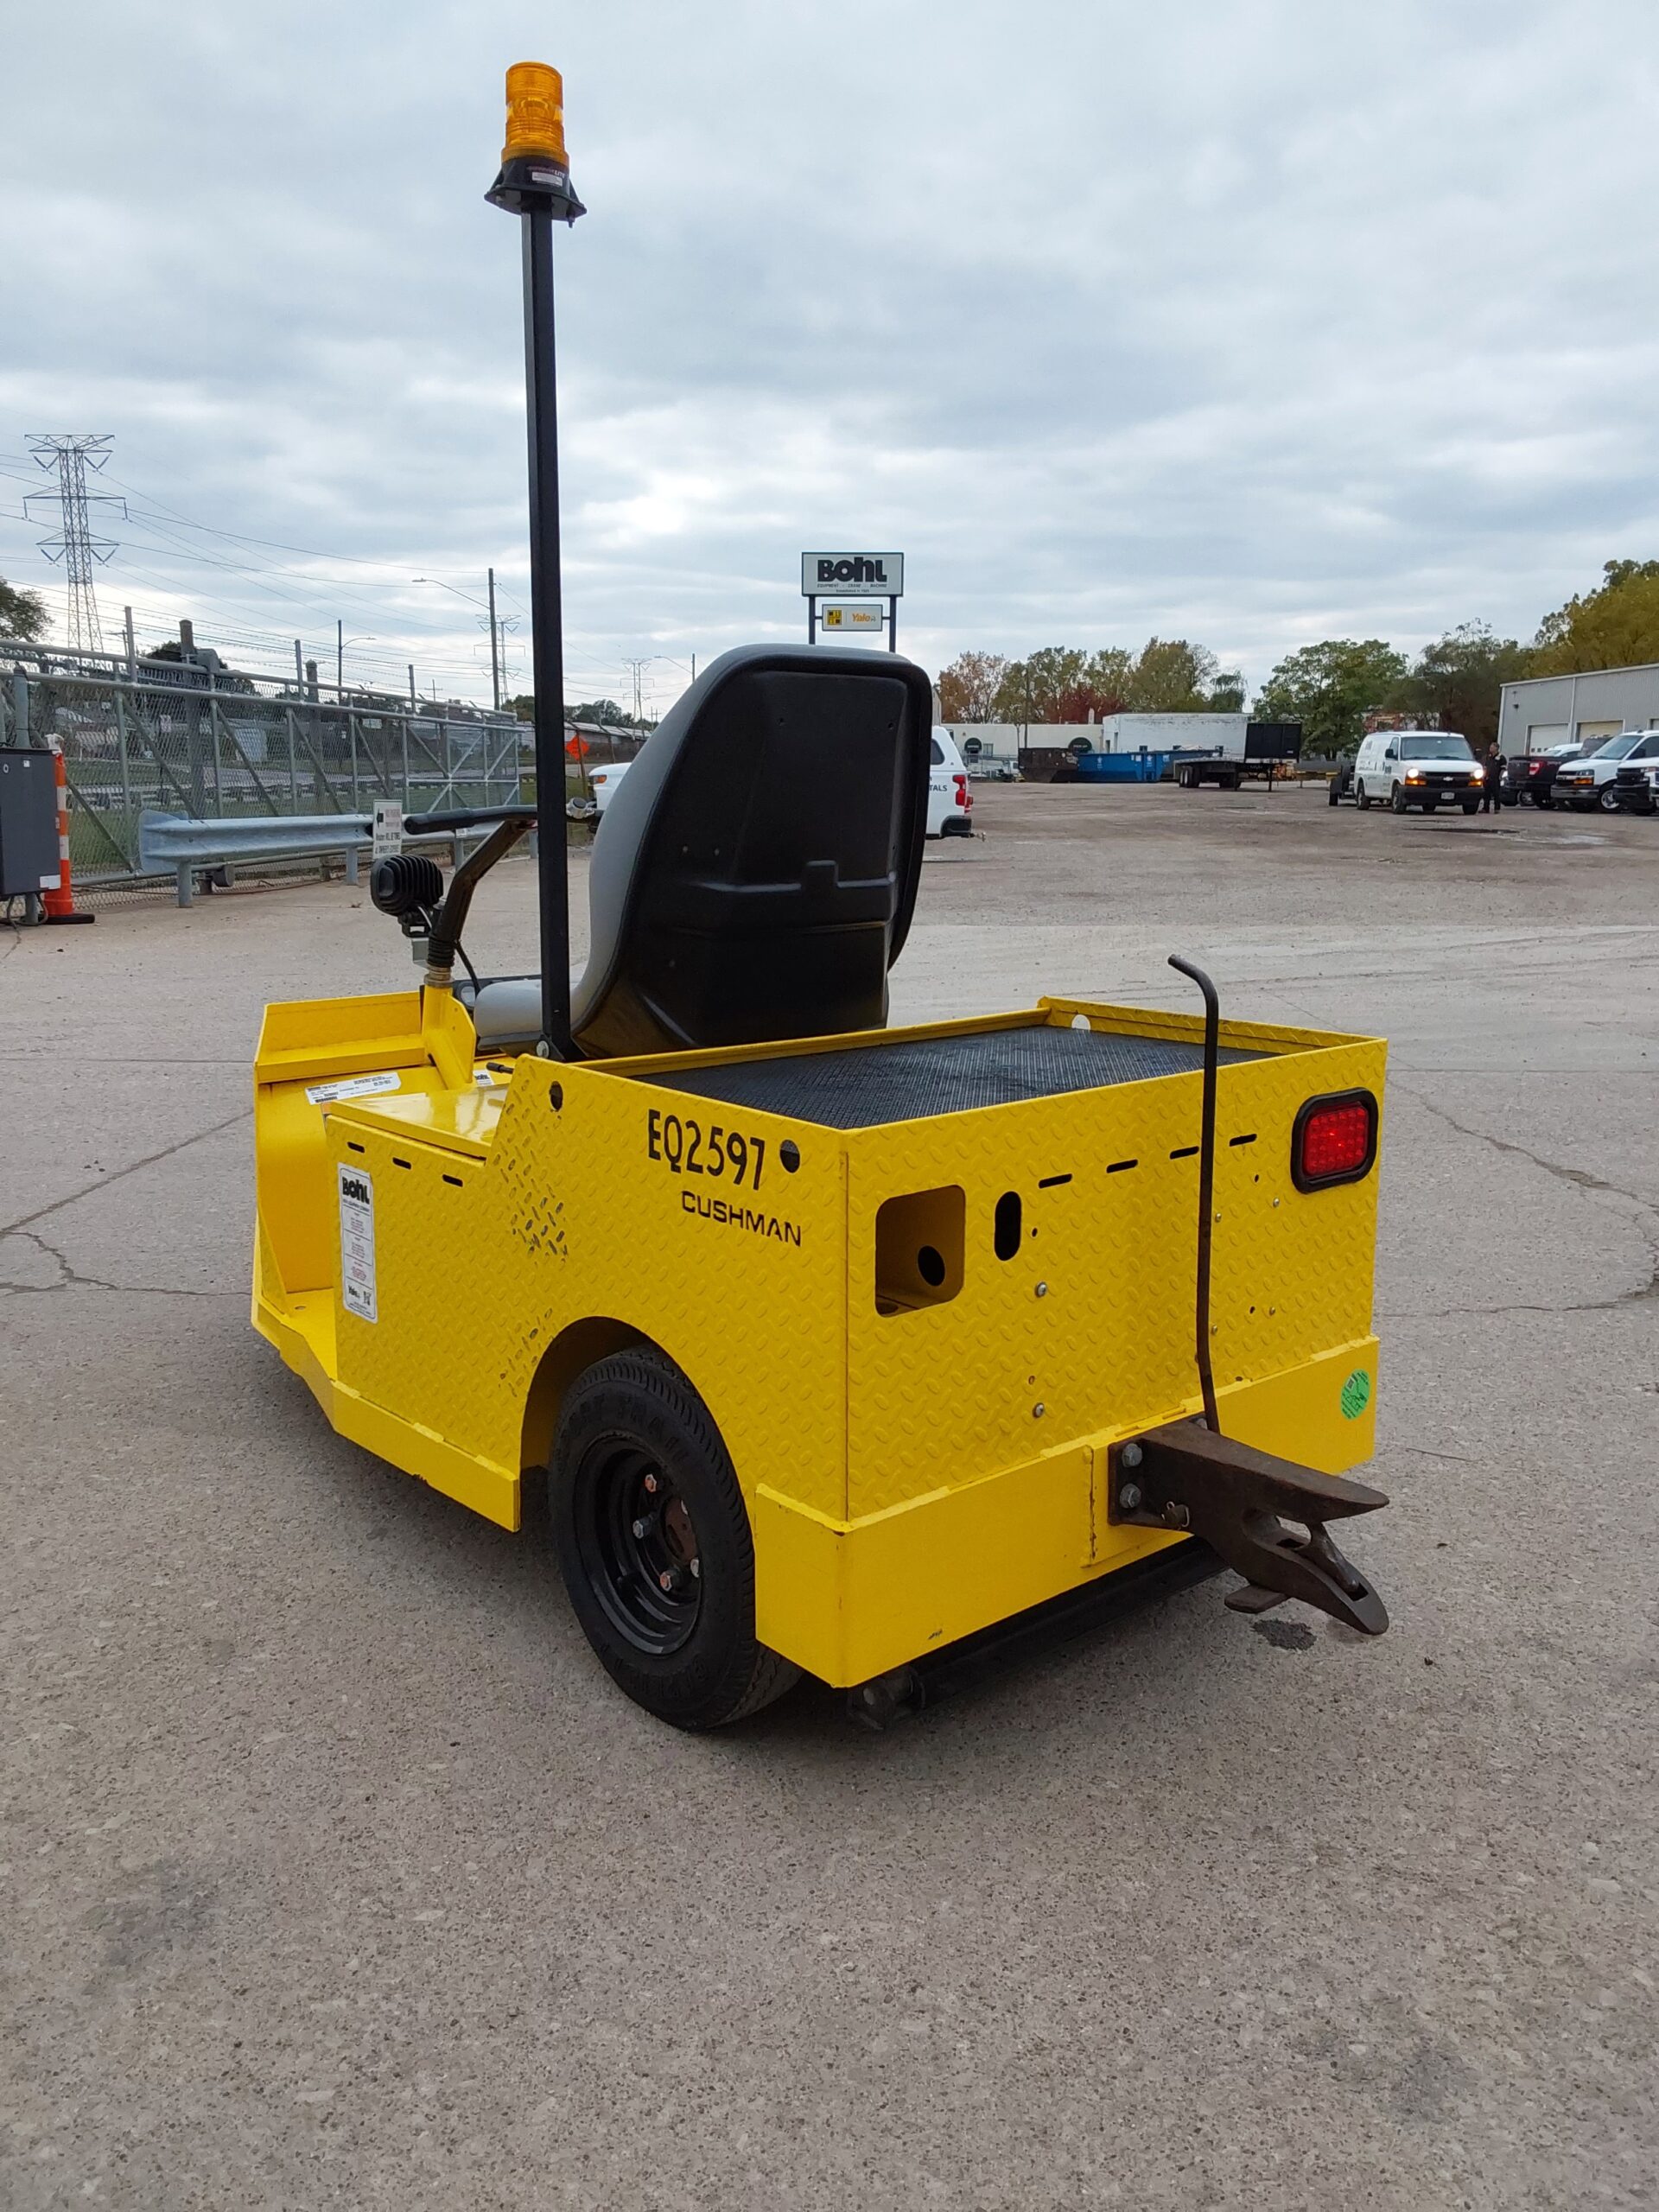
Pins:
x: 963, y: 799
x: 1334, y: 1139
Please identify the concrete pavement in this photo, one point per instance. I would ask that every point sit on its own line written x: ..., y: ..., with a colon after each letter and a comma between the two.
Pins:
x: 335, y: 1872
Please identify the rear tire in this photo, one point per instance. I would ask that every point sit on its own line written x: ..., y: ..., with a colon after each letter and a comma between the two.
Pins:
x: 1333, y: 796
x: 652, y: 1539
x: 1362, y: 798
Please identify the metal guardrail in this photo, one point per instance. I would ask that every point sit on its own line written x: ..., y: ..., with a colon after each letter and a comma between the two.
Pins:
x: 217, y: 749
x: 187, y: 847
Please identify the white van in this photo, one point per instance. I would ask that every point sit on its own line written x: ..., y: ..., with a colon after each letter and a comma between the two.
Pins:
x: 1417, y: 767
x: 949, y: 802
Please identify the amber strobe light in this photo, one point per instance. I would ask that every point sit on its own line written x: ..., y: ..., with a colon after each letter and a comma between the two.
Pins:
x: 535, y: 114
x: 1334, y: 1139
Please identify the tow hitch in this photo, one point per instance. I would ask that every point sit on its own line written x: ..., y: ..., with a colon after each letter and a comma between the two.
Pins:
x: 1232, y: 1496
x: 1193, y: 1478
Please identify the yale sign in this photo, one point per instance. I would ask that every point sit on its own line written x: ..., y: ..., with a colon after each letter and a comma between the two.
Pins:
x: 852, y: 575
x: 851, y: 618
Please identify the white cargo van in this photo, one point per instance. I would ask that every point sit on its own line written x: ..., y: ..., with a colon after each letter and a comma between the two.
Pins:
x: 1417, y: 767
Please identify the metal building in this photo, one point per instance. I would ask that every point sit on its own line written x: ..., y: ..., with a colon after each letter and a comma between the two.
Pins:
x: 1597, y: 703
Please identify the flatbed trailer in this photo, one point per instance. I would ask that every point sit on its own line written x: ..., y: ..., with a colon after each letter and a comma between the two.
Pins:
x: 1270, y: 748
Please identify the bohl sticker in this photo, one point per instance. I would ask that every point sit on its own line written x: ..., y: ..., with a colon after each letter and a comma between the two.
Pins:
x: 357, y: 1283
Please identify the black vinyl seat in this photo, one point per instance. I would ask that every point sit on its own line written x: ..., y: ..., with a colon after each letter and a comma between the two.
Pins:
x: 755, y: 871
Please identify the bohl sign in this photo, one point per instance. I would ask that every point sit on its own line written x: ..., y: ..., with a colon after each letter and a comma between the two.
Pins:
x: 870, y: 575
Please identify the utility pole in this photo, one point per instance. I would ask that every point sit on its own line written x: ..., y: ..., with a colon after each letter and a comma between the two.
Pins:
x: 75, y: 546
x: 132, y: 650
x: 411, y: 683
x: 495, y: 663
x: 340, y: 660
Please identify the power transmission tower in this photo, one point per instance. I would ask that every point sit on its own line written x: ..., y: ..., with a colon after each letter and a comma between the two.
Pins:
x: 638, y: 666
x: 75, y: 546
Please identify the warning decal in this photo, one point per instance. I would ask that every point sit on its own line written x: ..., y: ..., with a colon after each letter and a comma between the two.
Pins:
x: 352, y: 1086
x: 357, y: 1283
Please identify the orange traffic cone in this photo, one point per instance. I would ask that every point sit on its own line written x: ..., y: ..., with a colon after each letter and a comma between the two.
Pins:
x: 58, y: 906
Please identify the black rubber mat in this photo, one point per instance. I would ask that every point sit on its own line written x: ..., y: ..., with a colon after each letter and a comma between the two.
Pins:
x: 865, y: 1085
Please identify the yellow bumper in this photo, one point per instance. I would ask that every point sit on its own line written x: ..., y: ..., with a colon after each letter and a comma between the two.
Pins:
x: 848, y: 1600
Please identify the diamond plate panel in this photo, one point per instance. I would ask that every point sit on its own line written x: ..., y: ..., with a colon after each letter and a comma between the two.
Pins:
x: 504, y: 1221
x: 1091, y: 1320
x: 580, y: 1213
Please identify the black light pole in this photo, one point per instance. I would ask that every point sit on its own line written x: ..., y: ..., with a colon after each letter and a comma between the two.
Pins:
x: 535, y: 185
x: 495, y: 663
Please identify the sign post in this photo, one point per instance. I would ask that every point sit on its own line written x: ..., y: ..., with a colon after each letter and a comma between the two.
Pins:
x: 853, y: 575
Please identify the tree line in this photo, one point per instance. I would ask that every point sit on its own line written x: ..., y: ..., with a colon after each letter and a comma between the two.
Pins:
x: 1168, y: 676
x: 1329, y: 687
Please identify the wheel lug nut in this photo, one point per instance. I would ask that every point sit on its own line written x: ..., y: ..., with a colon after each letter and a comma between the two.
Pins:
x: 650, y: 1485
x: 697, y: 1570
x: 640, y: 1527
x: 668, y: 1580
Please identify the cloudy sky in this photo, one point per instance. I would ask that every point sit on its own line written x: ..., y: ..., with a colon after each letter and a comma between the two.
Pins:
x: 1252, y: 320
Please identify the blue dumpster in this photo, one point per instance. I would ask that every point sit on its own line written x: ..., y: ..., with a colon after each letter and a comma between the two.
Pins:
x: 1124, y: 767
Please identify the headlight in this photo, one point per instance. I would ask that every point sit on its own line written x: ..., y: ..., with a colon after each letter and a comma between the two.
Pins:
x: 1413, y: 775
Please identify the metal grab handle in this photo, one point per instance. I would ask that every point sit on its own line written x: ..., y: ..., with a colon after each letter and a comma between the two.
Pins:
x: 451, y: 917
x: 1207, y: 1181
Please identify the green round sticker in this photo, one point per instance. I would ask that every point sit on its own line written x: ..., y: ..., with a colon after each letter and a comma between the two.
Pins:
x: 1356, y: 1394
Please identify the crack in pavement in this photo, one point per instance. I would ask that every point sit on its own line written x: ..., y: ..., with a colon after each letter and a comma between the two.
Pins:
x: 1579, y: 1179
x: 70, y: 1277
x: 41, y: 1213
x: 1580, y: 1176
x: 1636, y: 1297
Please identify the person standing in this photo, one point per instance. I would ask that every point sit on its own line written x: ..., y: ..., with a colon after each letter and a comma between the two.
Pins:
x: 1491, y: 789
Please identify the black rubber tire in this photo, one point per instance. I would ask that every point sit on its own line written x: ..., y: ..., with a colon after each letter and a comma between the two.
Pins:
x: 1607, y: 799
x: 1362, y: 798
x: 1333, y: 796
x: 1398, y: 801
x: 1539, y: 798
x: 639, y: 1401
x: 1470, y: 805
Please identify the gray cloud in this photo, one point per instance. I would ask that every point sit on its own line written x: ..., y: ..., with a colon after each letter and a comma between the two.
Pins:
x: 1257, y: 322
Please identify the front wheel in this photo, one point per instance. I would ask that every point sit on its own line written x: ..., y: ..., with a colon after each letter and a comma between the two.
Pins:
x: 1398, y: 800
x: 1607, y: 798
x: 1471, y: 806
x: 652, y: 1539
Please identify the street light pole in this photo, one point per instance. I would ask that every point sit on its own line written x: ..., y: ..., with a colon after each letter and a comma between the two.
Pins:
x: 535, y: 185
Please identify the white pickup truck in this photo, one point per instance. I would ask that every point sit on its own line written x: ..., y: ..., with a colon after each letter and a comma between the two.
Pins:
x: 1593, y: 780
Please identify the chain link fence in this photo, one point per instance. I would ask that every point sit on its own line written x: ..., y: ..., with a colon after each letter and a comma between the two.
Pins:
x: 212, y: 743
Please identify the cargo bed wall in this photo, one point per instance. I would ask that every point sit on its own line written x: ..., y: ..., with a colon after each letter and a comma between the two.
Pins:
x: 1081, y: 1317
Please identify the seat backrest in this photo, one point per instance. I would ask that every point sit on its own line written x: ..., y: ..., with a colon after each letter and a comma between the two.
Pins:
x: 755, y: 871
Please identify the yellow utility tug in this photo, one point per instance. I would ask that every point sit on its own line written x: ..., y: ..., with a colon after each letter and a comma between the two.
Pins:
x: 845, y: 1350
